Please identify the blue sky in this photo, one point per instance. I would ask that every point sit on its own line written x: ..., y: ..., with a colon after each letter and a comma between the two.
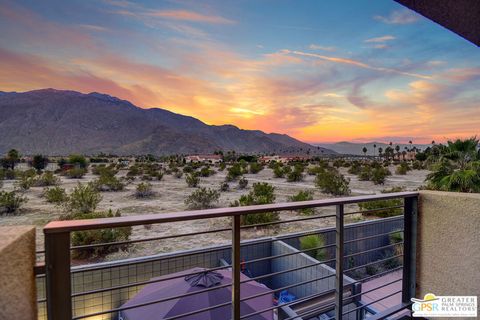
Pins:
x: 321, y: 71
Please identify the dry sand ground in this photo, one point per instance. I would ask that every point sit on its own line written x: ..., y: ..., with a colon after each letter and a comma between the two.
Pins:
x: 170, y: 195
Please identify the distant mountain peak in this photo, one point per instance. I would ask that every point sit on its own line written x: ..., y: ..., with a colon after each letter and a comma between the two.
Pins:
x: 106, y: 97
x: 60, y: 122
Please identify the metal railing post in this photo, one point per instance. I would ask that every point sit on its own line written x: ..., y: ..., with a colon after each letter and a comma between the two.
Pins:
x: 339, y: 242
x: 236, y: 267
x: 409, y: 248
x: 58, y: 283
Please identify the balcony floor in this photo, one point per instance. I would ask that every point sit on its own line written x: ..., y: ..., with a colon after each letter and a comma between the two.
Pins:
x: 382, y: 292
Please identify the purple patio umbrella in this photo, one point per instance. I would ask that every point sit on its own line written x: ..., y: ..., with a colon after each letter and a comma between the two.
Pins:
x: 201, y: 281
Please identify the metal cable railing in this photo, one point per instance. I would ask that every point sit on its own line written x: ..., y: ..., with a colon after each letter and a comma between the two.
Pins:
x: 59, y: 297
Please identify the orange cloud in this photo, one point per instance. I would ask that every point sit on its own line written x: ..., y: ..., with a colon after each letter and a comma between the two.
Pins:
x: 188, y: 16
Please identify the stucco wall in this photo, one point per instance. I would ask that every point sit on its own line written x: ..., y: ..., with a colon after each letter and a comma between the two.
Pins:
x: 448, y: 251
x: 17, y: 280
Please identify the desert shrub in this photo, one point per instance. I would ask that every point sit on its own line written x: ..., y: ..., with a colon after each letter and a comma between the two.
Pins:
x: 332, y: 182
x: 202, y: 198
x: 224, y: 186
x: 222, y: 166
x: 178, y: 174
x: 206, y: 172
x: 243, y: 163
x: 337, y: 163
x: 76, y: 173
x: 303, y: 195
x: 26, y: 182
x: 255, y: 167
x: 127, y: 180
x: 381, y: 204
x: 84, y: 198
x: 7, y: 174
x: 144, y: 190
x: 287, y: 169
x: 311, y: 244
x: 147, y: 177
x: 158, y: 175
x: 234, y: 172
x: 30, y: 173
x: 417, y: 165
x: 273, y: 164
x: 278, y: 172
x: 104, y: 170
x: 47, y: 179
x: 188, y: 169
x: 134, y: 171
x: 78, y: 161
x: 108, y: 182
x: 313, y: 171
x: 296, y: 174
x: 10, y: 202
x: 365, y: 173
x: 192, y: 180
x: 242, y: 183
x: 89, y: 237
x: 402, y: 168
x: 55, y: 195
x: 262, y: 193
x: 355, y: 168
x: 379, y: 174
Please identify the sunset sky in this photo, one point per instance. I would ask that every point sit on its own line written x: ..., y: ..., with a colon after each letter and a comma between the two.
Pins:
x: 321, y: 71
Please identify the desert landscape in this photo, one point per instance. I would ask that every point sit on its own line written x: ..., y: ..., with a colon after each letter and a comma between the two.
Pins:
x: 169, y: 195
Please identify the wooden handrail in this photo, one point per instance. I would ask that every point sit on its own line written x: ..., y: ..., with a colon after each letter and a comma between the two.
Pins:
x: 116, y: 222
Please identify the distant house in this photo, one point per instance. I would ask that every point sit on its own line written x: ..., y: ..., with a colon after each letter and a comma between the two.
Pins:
x: 410, y: 155
x: 206, y: 158
x: 123, y: 162
x: 284, y: 158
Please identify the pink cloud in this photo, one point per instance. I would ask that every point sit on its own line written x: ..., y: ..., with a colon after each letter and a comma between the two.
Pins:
x: 403, y: 16
x: 191, y: 16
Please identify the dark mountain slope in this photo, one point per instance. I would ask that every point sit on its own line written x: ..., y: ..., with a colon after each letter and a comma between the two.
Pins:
x: 61, y: 122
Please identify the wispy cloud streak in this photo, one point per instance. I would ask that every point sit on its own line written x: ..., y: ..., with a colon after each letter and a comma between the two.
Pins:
x: 360, y: 64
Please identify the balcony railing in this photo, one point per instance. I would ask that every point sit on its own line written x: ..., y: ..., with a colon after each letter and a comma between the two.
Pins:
x: 60, y: 273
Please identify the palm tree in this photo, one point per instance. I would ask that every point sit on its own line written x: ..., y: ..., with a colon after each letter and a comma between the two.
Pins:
x: 458, y: 168
x: 380, y: 151
x: 388, y: 152
x: 374, y: 149
x: 397, y: 148
x: 364, y: 150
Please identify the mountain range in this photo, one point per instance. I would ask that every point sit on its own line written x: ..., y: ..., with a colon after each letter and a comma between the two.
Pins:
x: 60, y: 122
